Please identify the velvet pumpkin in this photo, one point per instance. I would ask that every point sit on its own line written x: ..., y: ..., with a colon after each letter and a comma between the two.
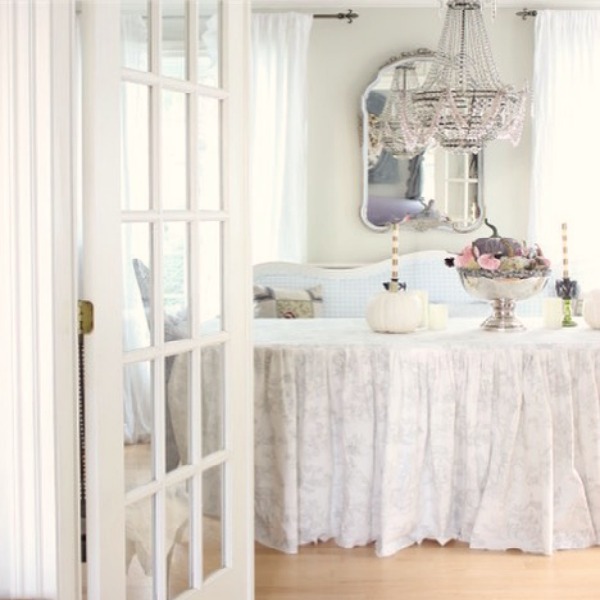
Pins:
x: 495, y: 244
x: 394, y: 312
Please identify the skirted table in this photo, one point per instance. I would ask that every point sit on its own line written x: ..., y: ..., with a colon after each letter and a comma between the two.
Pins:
x: 484, y: 437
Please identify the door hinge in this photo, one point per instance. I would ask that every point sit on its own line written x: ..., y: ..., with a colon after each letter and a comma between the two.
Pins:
x: 85, y: 317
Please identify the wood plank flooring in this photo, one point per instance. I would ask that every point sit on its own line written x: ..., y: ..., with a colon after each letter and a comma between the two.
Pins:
x: 426, y: 572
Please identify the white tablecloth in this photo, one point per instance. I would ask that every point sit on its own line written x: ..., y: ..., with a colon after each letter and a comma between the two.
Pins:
x: 486, y: 437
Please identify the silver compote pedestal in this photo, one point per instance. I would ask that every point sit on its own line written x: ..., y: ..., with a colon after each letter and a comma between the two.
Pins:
x: 503, y: 292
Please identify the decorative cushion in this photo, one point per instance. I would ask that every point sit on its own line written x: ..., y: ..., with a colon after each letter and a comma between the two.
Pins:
x: 288, y: 303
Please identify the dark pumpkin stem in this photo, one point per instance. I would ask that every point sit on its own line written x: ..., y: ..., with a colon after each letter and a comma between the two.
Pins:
x: 492, y: 227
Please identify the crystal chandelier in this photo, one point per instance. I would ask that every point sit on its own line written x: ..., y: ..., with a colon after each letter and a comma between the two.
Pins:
x: 462, y: 104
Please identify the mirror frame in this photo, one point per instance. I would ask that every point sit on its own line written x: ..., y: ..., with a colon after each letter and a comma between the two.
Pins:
x: 421, y: 54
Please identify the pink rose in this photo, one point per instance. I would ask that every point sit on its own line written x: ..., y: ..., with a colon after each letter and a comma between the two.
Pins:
x: 488, y: 261
x: 464, y: 258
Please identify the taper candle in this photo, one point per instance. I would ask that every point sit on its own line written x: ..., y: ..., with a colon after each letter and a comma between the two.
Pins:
x: 565, y: 252
x: 395, y: 250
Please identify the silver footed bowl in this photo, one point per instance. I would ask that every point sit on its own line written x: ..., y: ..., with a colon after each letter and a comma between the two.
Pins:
x: 503, y: 291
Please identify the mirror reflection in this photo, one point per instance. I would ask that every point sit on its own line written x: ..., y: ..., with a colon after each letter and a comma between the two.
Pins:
x: 431, y: 189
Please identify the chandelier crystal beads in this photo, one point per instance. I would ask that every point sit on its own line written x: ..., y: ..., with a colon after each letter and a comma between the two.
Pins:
x: 390, y: 124
x: 462, y: 104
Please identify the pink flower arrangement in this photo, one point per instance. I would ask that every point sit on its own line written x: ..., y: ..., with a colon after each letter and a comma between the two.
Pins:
x: 465, y: 258
x: 489, y: 262
x: 504, y: 258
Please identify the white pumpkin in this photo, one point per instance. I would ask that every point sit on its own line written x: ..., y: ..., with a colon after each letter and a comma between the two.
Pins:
x: 394, y: 312
x: 591, y: 309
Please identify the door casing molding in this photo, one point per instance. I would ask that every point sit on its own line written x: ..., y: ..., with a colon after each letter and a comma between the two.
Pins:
x: 39, y: 514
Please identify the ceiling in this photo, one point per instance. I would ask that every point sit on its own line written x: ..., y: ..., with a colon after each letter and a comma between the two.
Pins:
x: 354, y: 4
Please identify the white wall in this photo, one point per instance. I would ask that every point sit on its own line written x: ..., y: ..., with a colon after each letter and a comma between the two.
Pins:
x: 343, y: 61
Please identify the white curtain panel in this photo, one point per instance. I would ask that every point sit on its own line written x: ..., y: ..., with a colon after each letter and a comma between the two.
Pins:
x: 566, y: 132
x: 278, y: 136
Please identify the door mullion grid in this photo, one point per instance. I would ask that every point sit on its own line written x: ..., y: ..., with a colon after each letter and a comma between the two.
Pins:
x: 226, y: 261
x: 176, y: 347
x: 155, y: 218
x: 159, y: 562
x: 175, y: 215
x: 192, y: 151
x: 159, y: 398
x: 228, y: 294
x: 195, y: 424
x: 179, y: 475
x: 168, y: 83
x: 146, y: 490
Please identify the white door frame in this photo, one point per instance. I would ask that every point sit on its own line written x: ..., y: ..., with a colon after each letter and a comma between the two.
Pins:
x: 100, y: 24
x: 39, y: 515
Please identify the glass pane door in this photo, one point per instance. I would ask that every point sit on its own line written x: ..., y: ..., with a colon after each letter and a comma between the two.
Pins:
x: 175, y: 226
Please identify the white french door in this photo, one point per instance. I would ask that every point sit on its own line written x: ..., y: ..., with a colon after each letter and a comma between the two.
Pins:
x: 166, y: 264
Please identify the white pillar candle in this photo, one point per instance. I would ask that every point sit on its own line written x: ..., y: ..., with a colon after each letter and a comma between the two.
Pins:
x: 438, y: 316
x: 424, y: 299
x: 552, y: 313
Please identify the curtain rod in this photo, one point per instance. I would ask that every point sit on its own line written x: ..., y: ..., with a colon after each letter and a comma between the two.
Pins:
x: 349, y: 16
x: 526, y: 13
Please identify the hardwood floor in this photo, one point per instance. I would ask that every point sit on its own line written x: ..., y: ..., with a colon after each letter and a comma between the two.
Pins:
x: 426, y: 572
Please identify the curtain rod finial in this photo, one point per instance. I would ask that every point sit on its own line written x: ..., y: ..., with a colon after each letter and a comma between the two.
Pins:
x: 349, y: 16
x: 526, y: 13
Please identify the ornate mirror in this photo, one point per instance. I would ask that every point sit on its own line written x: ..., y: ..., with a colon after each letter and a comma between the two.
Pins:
x: 434, y: 188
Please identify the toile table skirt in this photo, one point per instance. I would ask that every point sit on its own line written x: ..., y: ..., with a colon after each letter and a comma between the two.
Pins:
x: 485, y: 437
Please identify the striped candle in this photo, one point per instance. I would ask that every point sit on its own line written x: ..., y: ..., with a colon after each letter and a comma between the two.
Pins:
x: 395, y: 251
x: 565, y: 252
